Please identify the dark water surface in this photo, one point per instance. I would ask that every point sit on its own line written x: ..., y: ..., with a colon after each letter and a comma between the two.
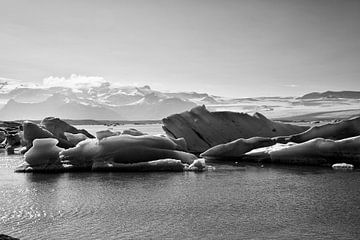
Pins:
x: 232, y: 202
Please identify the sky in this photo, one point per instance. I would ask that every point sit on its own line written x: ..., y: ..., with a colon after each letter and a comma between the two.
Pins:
x: 234, y: 48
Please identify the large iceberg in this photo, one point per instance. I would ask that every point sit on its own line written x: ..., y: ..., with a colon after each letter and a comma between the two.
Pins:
x: 126, y: 149
x: 203, y: 129
x: 33, y: 131
x: 336, y: 131
x: 318, y: 151
x: 57, y: 127
x: 115, y: 153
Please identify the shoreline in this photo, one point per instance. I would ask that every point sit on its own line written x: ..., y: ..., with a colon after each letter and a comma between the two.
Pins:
x: 321, y: 116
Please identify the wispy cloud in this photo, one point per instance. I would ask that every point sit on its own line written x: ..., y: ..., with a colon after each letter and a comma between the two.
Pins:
x: 3, y: 79
x: 8, y: 84
x: 75, y: 81
x: 291, y: 85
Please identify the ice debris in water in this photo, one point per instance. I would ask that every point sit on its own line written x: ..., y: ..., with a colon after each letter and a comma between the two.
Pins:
x: 198, y: 165
x: 341, y: 166
x: 156, y: 165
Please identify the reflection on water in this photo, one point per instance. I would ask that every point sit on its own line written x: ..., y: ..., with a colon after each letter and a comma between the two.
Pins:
x: 236, y: 201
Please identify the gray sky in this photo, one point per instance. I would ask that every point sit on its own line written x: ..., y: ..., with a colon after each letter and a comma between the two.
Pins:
x: 235, y: 48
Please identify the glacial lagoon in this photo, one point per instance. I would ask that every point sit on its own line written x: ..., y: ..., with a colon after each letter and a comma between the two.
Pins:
x: 234, y: 201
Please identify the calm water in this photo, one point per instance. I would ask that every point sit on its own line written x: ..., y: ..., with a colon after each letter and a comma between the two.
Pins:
x: 232, y: 202
x: 145, y: 128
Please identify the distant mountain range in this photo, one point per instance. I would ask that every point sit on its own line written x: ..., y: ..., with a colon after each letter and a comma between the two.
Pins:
x: 103, y: 102
x: 108, y: 102
x: 332, y: 94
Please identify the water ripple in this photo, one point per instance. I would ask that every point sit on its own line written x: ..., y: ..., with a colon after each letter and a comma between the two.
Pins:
x: 229, y: 203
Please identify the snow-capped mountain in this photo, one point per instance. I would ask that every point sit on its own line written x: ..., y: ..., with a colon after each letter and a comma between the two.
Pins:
x: 100, y: 102
x: 105, y: 101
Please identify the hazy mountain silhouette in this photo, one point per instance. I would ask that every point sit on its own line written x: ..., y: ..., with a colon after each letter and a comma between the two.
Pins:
x: 106, y: 101
x: 333, y: 94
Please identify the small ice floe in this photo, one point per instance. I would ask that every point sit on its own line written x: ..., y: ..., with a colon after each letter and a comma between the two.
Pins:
x: 167, y: 165
x: 199, y: 165
x: 342, y: 166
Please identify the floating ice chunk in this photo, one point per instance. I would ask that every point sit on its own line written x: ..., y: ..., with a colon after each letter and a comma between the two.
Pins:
x: 75, y: 138
x: 125, y: 149
x: 82, y: 153
x: 319, y: 151
x: 342, y: 166
x: 133, y: 132
x: 203, y: 129
x: 33, y: 131
x: 181, y: 143
x: 264, y: 152
x: 237, y: 148
x: 199, y: 165
x: 43, y: 152
x: 171, y: 165
x: 105, y: 133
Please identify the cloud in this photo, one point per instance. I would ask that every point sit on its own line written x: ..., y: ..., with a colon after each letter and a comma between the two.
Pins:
x: 8, y: 84
x: 75, y: 81
x: 291, y: 85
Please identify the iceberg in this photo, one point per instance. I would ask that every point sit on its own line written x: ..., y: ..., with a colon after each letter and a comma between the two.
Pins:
x: 203, y: 129
x: 43, y: 152
x: 318, y: 151
x: 237, y: 148
x: 125, y: 149
x: 75, y: 138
